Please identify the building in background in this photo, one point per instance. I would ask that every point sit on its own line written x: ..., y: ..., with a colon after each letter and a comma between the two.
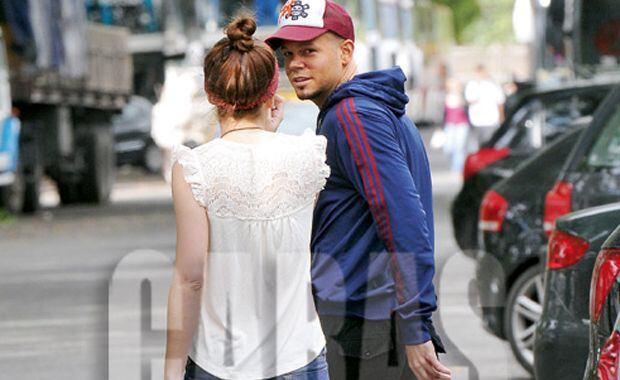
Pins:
x: 576, y: 38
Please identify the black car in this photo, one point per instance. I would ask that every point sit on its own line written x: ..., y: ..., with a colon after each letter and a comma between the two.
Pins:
x: 562, y: 332
x: 605, y: 313
x: 132, y: 135
x: 507, y: 267
x: 513, y: 234
x: 540, y: 116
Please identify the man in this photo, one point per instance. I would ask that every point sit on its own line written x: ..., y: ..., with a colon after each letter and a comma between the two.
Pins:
x: 486, y: 105
x: 372, y: 236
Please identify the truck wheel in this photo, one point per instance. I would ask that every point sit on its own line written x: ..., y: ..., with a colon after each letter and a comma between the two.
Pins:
x: 153, y: 158
x: 32, y: 191
x: 33, y: 172
x: 97, y: 180
x: 68, y: 192
x: 12, y: 196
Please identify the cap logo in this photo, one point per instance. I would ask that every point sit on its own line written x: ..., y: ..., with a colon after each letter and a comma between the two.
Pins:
x: 294, y: 10
x: 302, y: 13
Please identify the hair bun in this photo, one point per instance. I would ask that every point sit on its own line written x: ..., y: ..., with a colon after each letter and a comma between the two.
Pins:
x: 240, y: 32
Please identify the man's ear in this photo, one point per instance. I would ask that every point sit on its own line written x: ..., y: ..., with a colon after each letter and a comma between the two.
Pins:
x: 347, y: 47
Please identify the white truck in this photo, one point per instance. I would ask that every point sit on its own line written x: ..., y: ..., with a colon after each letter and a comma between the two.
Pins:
x: 61, y: 81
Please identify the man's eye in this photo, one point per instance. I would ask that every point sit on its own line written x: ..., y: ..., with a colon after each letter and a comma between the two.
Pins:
x: 286, y: 54
x: 308, y: 51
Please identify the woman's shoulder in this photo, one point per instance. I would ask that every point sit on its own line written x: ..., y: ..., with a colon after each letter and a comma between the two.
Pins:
x: 307, y: 139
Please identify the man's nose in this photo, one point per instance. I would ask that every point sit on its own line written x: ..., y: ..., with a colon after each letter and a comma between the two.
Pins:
x: 295, y: 63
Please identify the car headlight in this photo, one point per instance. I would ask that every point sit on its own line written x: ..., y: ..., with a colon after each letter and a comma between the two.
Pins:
x: 5, y: 161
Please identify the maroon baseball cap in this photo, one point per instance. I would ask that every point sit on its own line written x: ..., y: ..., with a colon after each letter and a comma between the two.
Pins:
x: 305, y: 20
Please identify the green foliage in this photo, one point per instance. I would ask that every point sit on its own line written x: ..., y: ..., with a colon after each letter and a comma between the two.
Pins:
x: 494, y: 25
x: 464, y: 14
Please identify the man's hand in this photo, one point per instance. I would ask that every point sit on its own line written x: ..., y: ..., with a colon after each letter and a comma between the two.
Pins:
x: 424, y: 363
x: 277, y: 113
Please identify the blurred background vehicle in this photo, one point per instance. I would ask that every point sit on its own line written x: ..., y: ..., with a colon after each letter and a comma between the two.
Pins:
x: 508, y: 274
x: 562, y: 333
x: 542, y: 115
x: 605, y: 312
x: 67, y: 78
x: 134, y: 144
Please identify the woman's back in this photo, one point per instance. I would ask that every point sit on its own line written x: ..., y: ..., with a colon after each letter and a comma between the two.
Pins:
x: 257, y: 314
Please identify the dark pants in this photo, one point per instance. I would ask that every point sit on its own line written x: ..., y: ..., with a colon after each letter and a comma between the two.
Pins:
x: 360, y: 349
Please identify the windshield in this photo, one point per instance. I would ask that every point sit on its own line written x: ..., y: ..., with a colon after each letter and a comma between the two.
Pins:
x: 605, y: 152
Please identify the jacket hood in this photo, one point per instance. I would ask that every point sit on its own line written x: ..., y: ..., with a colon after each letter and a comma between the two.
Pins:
x: 386, y: 87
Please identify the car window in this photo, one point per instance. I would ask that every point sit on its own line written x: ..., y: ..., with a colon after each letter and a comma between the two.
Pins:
x: 605, y: 152
x: 564, y: 112
x: 536, y: 125
x: 524, y: 130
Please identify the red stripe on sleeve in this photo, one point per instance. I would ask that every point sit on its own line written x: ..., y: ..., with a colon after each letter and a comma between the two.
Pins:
x: 383, y: 214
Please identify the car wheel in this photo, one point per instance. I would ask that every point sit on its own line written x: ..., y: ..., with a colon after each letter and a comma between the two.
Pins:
x: 153, y: 159
x: 523, y: 311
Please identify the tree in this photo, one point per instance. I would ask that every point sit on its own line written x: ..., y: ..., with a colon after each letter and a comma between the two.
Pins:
x: 464, y: 13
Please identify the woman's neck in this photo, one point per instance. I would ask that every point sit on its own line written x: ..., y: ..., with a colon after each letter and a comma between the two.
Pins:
x: 229, y: 124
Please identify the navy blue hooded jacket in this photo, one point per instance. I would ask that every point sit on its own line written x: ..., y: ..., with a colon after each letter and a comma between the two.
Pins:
x: 372, y: 237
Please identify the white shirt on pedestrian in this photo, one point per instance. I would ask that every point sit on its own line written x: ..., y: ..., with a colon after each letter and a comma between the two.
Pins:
x: 257, y: 316
x: 484, y: 98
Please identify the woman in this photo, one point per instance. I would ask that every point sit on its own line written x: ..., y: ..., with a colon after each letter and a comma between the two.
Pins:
x: 240, y: 304
x: 456, y: 125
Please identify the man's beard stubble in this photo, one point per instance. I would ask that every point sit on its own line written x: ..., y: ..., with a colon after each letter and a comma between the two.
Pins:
x: 308, y: 96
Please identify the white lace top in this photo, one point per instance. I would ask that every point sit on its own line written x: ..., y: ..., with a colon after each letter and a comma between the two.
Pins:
x: 258, y: 318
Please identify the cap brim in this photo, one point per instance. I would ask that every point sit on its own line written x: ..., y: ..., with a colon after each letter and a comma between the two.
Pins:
x: 294, y: 33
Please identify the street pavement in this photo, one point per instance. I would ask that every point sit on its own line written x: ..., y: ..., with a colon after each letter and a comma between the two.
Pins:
x: 83, y: 288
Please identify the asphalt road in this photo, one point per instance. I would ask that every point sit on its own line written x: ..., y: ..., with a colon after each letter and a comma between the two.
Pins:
x: 82, y: 289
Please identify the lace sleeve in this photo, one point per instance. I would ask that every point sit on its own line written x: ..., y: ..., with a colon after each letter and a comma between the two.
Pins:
x: 319, y: 169
x: 192, y: 171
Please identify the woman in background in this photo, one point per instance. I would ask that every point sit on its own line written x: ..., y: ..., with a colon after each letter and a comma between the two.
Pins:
x: 456, y: 125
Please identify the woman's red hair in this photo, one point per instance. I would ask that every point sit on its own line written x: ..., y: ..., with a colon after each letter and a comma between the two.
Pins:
x: 240, y: 70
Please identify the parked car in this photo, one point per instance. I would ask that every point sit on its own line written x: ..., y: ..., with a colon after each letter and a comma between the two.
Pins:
x: 538, y: 118
x: 513, y: 233
x: 134, y: 144
x: 605, y: 313
x: 507, y: 268
x: 562, y: 334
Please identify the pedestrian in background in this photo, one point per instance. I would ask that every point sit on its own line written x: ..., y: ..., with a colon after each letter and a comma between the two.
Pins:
x: 373, y: 236
x: 456, y: 125
x: 240, y: 303
x: 485, y: 105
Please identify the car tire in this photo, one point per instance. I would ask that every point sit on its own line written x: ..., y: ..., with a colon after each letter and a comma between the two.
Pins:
x: 153, y: 159
x: 523, y: 311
